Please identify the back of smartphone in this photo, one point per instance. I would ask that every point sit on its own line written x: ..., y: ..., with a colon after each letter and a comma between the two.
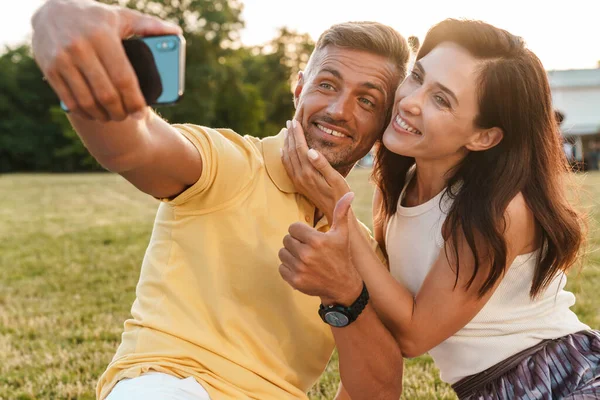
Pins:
x: 169, y: 58
x: 159, y: 64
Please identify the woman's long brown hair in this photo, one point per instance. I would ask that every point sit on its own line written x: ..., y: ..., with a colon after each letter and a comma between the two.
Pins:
x: 514, y: 95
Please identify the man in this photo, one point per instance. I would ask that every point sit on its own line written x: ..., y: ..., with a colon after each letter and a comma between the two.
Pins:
x: 213, y: 317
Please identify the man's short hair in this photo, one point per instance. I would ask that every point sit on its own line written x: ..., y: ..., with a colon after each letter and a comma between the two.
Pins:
x: 371, y: 37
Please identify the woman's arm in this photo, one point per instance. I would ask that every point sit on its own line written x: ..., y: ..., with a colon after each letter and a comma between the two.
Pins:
x: 440, y: 308
x: 341, y: 393
x: 370, y: 360
x: 379, y: 223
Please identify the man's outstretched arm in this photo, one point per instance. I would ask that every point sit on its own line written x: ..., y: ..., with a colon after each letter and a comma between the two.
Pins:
x: 77, y: 44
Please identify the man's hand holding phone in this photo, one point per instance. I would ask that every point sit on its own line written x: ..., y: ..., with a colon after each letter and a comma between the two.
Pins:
x: 78, y: 46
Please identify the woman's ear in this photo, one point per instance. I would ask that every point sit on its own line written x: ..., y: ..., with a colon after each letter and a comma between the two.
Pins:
x: 298, y: 88
x: 485, y: 139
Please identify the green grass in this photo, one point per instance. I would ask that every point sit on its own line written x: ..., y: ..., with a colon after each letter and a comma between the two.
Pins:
x: 70, y: 253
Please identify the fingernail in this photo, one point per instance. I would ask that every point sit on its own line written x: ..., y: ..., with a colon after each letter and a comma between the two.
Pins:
x: 294, y: 123
x: 285, y: 133
x: 312, y: 154
x: 281, y: 152
x: 287, y: 123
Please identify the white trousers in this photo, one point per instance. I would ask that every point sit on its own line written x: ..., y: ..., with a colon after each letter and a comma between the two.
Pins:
x: 158, y: 386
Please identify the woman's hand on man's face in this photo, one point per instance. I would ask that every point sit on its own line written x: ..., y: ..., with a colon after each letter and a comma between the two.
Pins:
x: 310, y: 172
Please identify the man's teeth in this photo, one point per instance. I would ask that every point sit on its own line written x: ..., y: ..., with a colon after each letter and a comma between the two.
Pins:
x: 404, y: 125
x: 330, y: 131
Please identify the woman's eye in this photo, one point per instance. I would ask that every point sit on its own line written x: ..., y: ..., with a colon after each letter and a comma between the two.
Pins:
x: 441, y: 101
x: 416, y: 76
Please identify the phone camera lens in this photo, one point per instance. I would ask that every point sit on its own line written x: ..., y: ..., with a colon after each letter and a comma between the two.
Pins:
x: 166, y: 45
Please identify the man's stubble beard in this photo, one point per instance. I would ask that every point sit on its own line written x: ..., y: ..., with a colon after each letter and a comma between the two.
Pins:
x: 339, y: 158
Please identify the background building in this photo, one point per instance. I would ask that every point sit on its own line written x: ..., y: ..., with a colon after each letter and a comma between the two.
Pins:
x: 576, y: 94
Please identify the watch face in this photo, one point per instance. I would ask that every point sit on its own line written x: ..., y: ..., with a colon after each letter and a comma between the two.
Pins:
x: 335, y: 318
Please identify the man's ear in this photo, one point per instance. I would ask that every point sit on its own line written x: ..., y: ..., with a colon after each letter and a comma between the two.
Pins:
x: 485, y: 139
x: 298, y: 89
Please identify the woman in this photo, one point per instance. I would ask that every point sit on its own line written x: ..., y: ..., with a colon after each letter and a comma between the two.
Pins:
x: 471, y: 210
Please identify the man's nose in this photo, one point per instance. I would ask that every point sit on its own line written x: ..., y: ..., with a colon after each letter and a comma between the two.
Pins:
x: 341, y: 108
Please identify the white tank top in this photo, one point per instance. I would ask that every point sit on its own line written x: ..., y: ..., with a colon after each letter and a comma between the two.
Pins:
x: 509, y: 322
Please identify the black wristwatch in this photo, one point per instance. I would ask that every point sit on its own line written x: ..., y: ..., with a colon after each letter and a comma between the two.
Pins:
x: 340, y: 316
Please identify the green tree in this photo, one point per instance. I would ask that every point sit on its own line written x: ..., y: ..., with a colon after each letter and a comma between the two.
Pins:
x: 215, y: 92
x: 27, y: 130
x: 227, y: 85
x: 218, y: 21
x: 273, y: 69
x: 73, y: 153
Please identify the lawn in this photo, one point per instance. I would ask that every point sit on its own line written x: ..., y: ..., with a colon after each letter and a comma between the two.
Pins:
x: 70, y: 253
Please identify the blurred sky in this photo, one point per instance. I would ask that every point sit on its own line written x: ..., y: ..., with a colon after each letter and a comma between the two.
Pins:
x: 564, y: 34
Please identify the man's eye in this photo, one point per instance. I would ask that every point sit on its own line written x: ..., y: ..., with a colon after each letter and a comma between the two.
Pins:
x: 326, y: 86
x: 367, y: 102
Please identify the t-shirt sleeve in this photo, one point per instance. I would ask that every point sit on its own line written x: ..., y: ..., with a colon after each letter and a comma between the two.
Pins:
x: 229, y: 165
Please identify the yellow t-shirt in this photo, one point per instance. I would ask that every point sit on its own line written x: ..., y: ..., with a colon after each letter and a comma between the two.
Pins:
x: 210, y: 301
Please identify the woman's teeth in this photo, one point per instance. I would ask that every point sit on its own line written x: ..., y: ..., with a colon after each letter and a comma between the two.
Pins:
x: 330, y: 131
x: 405, y: 126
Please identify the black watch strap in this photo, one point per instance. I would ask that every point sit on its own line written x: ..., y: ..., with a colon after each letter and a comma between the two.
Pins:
x: 340, y: 316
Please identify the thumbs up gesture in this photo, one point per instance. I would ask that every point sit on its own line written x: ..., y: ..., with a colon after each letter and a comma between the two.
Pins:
x: 319, y: 263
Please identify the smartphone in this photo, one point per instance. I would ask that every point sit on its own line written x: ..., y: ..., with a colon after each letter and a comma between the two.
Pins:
x: 159, y: 64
